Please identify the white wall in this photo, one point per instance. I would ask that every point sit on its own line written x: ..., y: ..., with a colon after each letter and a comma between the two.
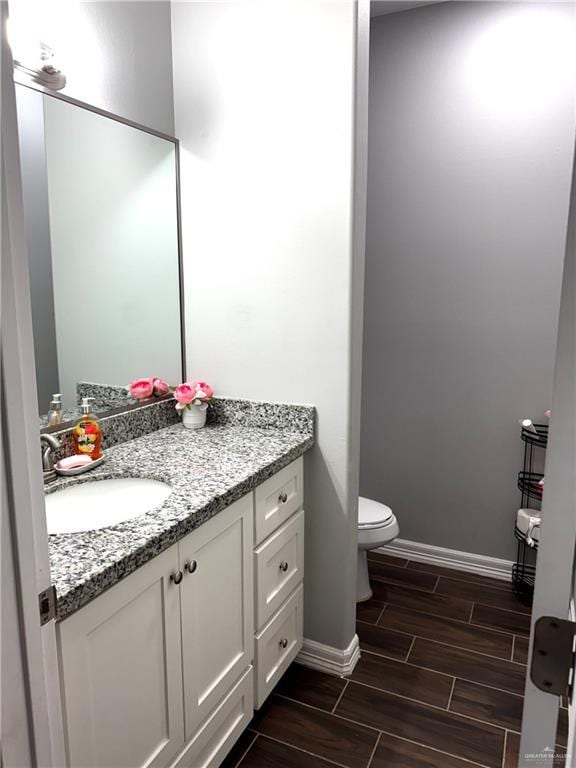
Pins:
x: 116, y: 54
x: 470, y: 147
x: 264, y: 109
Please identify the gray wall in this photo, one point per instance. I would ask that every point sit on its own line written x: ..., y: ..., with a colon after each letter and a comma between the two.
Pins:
x: 467, y: 209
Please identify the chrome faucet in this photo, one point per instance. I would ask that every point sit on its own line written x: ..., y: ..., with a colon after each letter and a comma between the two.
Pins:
x: 49, y: 444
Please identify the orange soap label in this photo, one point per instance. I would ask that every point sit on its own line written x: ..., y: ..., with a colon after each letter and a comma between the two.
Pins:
x: 87, y: 437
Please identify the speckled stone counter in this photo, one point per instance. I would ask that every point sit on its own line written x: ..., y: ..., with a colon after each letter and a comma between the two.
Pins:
x: 208, y: 469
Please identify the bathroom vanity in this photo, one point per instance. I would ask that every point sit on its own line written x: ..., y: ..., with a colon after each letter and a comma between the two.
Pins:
x: 174, y: 626
x: 176, y: 616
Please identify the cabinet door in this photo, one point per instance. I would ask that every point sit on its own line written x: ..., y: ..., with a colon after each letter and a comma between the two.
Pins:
x: 121, y: 670
x: 216, y: 598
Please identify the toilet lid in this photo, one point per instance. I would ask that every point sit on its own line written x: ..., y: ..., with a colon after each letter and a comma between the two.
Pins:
x: 373, y: 514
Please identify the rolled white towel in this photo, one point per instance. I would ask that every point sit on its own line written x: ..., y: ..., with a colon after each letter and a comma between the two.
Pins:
x: 528, y: 524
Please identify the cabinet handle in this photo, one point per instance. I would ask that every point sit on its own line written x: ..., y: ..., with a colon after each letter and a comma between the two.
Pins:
x: 190, y: 566
x: 283, y: 498
x: 283, y: 567
x: 176, y: 577
x: 283, y: 643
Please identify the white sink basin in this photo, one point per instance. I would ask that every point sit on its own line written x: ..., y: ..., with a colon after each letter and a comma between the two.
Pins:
x: 102, y: 503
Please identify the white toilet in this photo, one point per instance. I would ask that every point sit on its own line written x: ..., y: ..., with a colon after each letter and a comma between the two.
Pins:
x: 376, y: 526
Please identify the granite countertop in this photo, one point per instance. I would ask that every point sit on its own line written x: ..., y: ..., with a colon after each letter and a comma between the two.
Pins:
x: 208, y: 469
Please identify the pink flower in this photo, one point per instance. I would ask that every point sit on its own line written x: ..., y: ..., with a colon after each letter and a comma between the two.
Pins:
x: 203, y: 391
x: 184, y: 393
x: 142, y: 388
x: 196, y: 393
x: 161, y: 387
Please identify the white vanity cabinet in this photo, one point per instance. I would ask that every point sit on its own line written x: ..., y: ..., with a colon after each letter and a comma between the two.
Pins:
x: 158, y: 671
x: 217, y: 609
x: 278, y: 575
x: 121, y: 672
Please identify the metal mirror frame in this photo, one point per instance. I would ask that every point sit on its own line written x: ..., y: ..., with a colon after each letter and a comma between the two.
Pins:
x: 26, y: 83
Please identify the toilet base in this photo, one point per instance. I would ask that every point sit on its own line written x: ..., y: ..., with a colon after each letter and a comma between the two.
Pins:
x: 363, y: 588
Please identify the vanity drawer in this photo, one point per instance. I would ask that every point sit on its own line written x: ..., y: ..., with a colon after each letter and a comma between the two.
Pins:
x: 217, y: 735
x: 277, y: 499
x: 279, y: 567
x: 277, y: 645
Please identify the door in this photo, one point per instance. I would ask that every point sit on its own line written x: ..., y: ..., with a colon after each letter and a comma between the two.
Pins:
x: 31, y: 719
x: 122, y: 672
x: 217, y: 609
x: 554, y: 590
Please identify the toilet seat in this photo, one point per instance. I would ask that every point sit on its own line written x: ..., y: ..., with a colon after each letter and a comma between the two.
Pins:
x: 377, y: 526
x: 373, y: 514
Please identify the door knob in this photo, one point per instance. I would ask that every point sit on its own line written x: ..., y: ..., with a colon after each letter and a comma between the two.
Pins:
x: 176, y: 577
x: 283, y: 643
x: 283, y: 498
x: 283, y: 567
x: 190, y: 566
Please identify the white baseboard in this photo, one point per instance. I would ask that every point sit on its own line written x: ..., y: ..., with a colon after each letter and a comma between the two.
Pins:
x: 450, y: 558
x: 325, y: 658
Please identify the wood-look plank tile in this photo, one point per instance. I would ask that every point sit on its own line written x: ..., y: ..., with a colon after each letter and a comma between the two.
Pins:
x: 399, y: 562
x: 447, y: 631
x: 266, y: 753
x: 384, y: 641
x: 453, y: 573
x: 520, y: 649
x: 397, y: 677
x: 487, y: 704
x: 439, y: 729
x: 512, y: 752
x: 480, y: 593
x: 468, y: 665
x: 310, y: 686
x: 402, y: 576
x: 506, y: 621
x: 318, y: 732
x: 427, y: 602
x: 393, y: 752
x: 233, y: 757
x: 369, y: 611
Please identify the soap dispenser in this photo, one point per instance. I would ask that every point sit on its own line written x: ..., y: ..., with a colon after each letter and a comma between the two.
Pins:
x: 55, y: 412
x: 87, y: 432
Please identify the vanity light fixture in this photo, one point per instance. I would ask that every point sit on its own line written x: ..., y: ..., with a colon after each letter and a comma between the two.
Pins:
x: 47, y: 74
x: 33, y: 56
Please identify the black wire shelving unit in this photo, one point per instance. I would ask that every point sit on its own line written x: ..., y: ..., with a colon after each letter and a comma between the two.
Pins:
x: 524, y: 569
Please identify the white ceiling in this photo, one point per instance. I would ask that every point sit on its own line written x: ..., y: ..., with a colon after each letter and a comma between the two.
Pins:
x: 380, y: 7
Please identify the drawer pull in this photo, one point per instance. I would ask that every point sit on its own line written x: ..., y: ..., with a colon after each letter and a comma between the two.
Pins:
x: 283, y: 643
x: 283, y: 567
x: 283, y: 498
x: 190, y: 566
x: 176, y: 577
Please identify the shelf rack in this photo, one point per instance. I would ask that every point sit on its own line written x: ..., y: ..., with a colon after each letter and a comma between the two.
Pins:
x: 524, y: 569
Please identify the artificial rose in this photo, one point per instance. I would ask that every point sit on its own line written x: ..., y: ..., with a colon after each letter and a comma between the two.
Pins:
x: 203, y: 391
x: 142, y: 388
x: 161, y: 387
x: 184, y: 393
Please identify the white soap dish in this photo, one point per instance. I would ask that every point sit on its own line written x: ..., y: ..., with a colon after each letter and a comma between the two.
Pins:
x: 86, y: 466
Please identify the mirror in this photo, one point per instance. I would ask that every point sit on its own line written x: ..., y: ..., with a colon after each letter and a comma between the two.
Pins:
x: 102, y: 232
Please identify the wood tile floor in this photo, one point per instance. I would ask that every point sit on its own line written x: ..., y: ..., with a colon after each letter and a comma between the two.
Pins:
x: 440, y: 683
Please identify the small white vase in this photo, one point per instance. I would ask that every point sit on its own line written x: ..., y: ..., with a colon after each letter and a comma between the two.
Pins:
x: 194, y: 417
